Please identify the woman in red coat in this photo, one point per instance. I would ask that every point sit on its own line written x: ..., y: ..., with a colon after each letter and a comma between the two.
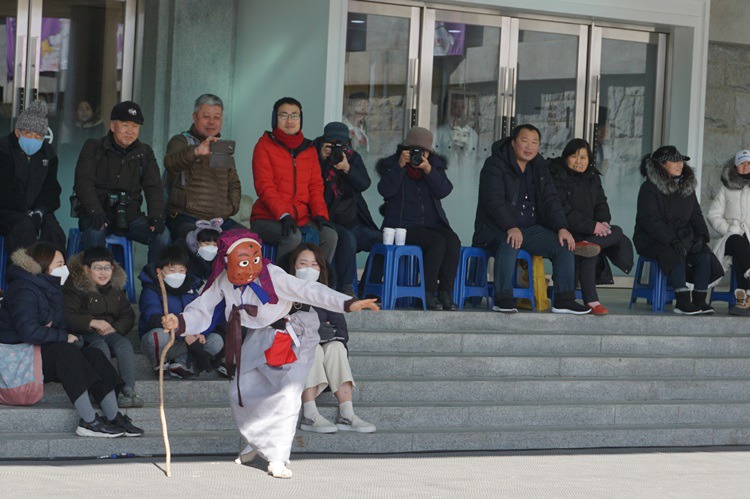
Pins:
x: 289, y: 185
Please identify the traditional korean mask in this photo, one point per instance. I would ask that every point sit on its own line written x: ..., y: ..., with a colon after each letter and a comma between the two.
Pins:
x: 244, y: 262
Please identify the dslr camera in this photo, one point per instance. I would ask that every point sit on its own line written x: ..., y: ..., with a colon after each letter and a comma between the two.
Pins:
x: 337, y: 152
x: 415, y: 152
x: 119, y: 201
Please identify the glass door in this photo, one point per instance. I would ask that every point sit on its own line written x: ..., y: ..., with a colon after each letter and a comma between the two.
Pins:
x: 380, y: 82
x: 548, y: 80
x: 463, y: 79
x: 626, y: 107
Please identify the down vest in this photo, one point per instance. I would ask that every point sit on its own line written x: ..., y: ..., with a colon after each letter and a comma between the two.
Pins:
x: 729, y: 213
x: 287, y: 181
x: 85, y: 301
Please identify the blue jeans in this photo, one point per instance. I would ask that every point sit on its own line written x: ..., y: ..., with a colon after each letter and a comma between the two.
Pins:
x: 180, y: 225
x: 537, y: 240
x: 351, y: 241
x: 138, y: 230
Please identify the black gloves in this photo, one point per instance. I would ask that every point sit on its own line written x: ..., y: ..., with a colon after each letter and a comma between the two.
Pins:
x: 157, y: 223
x: 321, y: 222
x: 697, y: 246
x: 288, y: 225
x: 36, y: 217
x: 98, y: 219
x: 679, y: 248
x: 198, y: 359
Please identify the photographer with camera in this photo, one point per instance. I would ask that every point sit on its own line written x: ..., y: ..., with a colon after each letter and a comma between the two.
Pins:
x: 29, y: 189
x: 413, y: 181
x: 112, y: 176
x: 198, y: 190
x: 344, y: 179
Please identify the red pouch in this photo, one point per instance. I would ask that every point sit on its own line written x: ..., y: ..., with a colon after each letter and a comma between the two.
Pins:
x: 281, y: 352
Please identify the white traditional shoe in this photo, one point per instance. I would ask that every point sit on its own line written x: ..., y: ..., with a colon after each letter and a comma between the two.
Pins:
x: 277, y: 469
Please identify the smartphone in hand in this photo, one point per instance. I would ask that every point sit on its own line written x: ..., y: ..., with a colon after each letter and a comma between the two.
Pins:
x: 222, y: 152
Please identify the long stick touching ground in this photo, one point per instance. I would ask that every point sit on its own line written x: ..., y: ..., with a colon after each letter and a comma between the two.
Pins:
x: 163, y: 356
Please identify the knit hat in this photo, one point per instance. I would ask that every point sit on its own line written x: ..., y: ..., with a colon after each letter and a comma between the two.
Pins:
x: 741, y: 157
x: 418, y: 136
x: 200, y: 225
x: 335, y: 130
x: 127, y: 111
x: 668, y: 153
x: 34, y: 118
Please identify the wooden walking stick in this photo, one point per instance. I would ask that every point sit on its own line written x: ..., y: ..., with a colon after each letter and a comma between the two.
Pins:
x: 163, y: 356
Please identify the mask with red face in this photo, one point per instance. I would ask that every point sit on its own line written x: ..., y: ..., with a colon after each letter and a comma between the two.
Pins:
x: 244, y: 261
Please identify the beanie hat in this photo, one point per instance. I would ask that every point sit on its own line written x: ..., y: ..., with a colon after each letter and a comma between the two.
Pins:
x: 200, y: 225
x: 418, y: 136
x: 741, y: 157
x: 127, y: 111
x: 281, y: 102
x: 34, y: 118
x: 335, y: 130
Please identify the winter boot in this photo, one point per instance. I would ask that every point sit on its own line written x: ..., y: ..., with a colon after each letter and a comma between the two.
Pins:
x: 684, y: 305
x: 699, y: 300
x: 742, y: 305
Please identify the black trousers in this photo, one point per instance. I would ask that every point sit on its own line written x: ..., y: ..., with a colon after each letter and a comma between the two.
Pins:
x: 441, y: 249
x: 587, y: 266
x: 79, y: 369
x: 20, y: 232
x: 738, y: 247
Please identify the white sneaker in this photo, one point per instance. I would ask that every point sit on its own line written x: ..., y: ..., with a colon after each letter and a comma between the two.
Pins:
x: 318, y: 424
x: 354, y: 424
x: 277, y: 469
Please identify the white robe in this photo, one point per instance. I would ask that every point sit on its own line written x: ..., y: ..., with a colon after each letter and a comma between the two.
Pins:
x: 271, y: 396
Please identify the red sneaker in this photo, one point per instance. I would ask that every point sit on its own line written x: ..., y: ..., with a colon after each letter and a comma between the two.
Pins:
x: 586, y: 249
x: 599, y: 310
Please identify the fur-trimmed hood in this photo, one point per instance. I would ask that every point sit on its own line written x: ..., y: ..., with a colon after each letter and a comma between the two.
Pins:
x: 23, y: 260
x: 80, y: 280
x: 732, y: 180
x: 666, y: 185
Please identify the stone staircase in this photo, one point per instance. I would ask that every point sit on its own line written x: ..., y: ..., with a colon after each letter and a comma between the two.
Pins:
x: 442, y: 381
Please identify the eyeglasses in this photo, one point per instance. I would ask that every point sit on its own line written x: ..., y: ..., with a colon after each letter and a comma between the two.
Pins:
x: 101, y: 268
x: 287, y: 116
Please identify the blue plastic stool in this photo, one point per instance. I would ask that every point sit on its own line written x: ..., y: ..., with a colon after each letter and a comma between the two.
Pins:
x: 308, y: 236
x: 527, y: 293
x: 403, y: 274
x: 3, y: 263
x: 122, y: 250
x: 471, y: 277
x: 269, y: 252
x: 656, y: 292
x: 727, y: 296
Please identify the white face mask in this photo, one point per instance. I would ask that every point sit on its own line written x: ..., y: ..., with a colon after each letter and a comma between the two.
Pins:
x: 208, y: 253
x: 174, y: 280
x: 62, y: 273
x: 308, y: 274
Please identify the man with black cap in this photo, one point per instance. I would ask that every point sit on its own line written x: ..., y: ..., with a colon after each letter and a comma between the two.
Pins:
x: 29, y: 190
x: 112, y: 176
x: 344, y: 179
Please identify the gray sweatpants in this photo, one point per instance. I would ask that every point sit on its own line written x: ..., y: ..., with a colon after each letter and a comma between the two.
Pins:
x: 115, y: 345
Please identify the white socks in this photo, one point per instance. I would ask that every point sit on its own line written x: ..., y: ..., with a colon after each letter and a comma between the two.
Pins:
x: 310, y: 410
x: 346, y: 409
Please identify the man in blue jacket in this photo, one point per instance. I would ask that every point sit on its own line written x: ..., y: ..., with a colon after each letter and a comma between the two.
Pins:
x: 518, y: 209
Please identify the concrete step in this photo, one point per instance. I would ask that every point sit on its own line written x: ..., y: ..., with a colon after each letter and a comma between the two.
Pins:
x: 61, y: 418
x: 62, y: 445
x: 462, y: 364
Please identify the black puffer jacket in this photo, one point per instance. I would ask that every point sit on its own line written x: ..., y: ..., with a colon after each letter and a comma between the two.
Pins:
x: 498, y: 188
x: 668, y: 210
x: 581, y: 196
x: 28, y: 183
x: 32, y: 310
x: 85, y: 301
x: 102, y: 170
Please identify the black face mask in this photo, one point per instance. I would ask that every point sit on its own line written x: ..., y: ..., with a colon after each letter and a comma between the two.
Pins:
x: 746, y: 176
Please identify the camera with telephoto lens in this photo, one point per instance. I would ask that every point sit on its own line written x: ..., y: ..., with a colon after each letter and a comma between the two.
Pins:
x: 119, y: 201
x: 337, y: 152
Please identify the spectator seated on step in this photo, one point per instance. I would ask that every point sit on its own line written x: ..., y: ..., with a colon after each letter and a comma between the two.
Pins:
x: 33, y: 313
x: 97, y: 309
x: 518, y: 209
x: 330, y: 368
x: 189, y: 355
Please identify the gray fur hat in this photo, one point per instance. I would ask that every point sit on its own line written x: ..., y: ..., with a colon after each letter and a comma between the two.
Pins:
x: 34, y: 118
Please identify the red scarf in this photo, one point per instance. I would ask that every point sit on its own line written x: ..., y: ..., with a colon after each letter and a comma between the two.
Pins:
x: 288, y: 141
x: 414, y: 173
